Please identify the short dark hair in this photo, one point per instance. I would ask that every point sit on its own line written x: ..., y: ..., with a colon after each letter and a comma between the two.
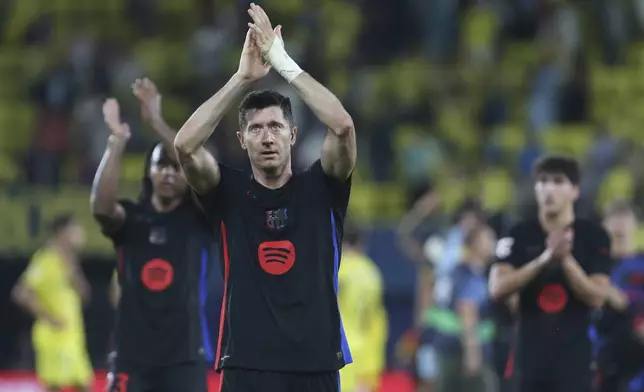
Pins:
x: 471, y: 206
x: 555, y: 164
x: 145, y: 195
x: 620, y: 207
x: 264, y: 99
x: 61, y: 222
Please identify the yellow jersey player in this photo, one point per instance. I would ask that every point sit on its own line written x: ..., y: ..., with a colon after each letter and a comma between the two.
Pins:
x: 52, y: 289
x: 360, y: 297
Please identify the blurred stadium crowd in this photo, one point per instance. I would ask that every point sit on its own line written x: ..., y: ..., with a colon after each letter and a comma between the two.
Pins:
x: 451, y: 100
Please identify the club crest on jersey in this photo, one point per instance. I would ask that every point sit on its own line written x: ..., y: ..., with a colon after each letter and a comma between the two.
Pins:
x: 276, y: 219
x: 157, y: 235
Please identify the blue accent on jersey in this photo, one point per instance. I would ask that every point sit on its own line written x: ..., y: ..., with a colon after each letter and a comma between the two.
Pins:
x: 346, y: 352
x: 203, y: 294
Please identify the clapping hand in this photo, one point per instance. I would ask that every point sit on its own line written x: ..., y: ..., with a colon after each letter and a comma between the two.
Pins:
x: 262, y: 29
x: 148, y: 95
x: 112, y: 117
x: 251, y: 65
x: 559, y: 242
x: 270, y: 44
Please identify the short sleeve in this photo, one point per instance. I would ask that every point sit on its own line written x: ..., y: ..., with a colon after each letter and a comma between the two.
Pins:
x: 601, y: 261
x: 214, y: 201
x: 131, y: 210
x: 509, y: 248
x: 338, y: 190
x: 473, y: 290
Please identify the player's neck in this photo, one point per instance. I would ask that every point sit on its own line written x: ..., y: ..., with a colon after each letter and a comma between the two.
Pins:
x: 161, y: 206
x: 63, y: 249
x: 622, y: 251
x: 273, y: 180
x: 474, y: 261
x: 551, y: 222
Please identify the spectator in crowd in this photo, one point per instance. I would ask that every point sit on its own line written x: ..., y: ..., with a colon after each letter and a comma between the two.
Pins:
x: 408, y: 241
x: 462, y: 320
x: 435, y: 280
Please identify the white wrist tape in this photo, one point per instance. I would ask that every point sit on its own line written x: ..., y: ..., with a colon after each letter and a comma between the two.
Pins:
x: 282, y: 62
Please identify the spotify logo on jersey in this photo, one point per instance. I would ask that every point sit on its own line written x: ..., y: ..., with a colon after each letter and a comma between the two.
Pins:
x: 276, y: 257
x: 157, y: 274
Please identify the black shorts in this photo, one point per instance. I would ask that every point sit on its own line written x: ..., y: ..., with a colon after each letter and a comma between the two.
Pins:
x: 185, y: 377
x: 244, y: 380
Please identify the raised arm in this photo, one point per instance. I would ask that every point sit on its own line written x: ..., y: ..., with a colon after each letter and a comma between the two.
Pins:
x: 150, y: 99
x: 339, y: 149
x: 199, y: 162
x: 412, y: 220
x: 201, y: 169
x: 617, y: 299
x: 104, y: 198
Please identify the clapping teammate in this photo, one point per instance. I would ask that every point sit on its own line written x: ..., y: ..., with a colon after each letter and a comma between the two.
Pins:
x: 620, y: 330
x: 164, y: 257
x: 558, y: 265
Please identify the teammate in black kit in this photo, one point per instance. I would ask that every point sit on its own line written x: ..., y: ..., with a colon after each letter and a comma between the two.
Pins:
x: 164, y: 250
x: 619, y: 332
x: 280, y: 231
x: 558, y: 264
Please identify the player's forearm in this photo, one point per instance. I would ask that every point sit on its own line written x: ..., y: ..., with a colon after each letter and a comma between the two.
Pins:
x: 470, y: 342
x: 511, y: 282
x: 324, y: 104
x: 166, y: 133
x: 472, y: 351
x: 582, y: 286
x: 26, y: 300
x: 104, y: 197
x: 469, y: 316
x: 406, y: 229
x: 616, y: 299
x: 424, y: 294
x: 196, y: 131
x: 201, y: 170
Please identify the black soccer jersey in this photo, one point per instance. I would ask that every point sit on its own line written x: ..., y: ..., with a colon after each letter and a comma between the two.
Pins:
x: 553, y: 323
x: 164, y: 263
x: 280, y: 255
